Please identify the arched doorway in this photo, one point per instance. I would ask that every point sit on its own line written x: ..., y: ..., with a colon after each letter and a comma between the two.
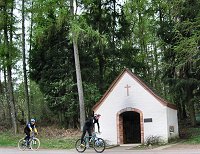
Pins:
x: 130, y: 126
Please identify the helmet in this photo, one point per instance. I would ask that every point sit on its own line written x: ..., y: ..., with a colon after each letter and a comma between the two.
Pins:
x: 97, y: 115
x: 32, y: 120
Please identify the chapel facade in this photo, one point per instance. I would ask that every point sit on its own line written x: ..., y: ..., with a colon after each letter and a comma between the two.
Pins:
x: 131, y: 112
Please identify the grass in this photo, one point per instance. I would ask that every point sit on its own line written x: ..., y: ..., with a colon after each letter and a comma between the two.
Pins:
x: 193, y: 135
x: 7, y: 139
x: 67, y: 141
x: 57, y: 143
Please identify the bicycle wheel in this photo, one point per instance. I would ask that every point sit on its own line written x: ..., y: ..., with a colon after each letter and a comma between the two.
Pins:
x: 35, y: 144
x: 22, y: 144
x: 80, y: 147
x: 99, y: 145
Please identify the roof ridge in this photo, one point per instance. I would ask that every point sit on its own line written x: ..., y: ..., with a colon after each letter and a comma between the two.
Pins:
x: 141, y: 82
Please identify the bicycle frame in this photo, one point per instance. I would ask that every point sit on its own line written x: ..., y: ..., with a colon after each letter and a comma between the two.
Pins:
x: 32, y: 137
x: 92, y: 138
x: 97, y: 143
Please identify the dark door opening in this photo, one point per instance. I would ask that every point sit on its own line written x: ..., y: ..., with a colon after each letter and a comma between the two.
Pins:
x: 131, y: 127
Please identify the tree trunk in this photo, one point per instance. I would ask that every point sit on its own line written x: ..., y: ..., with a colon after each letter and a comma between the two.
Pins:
x: 78, y: 71
x: 2, y: 99
x: 24, y: 63
x: 6, y: 95
x: 1, y: 87
x: 191, y: 107
x: 9, y: 68
x: 192, y: 114
x: 181, y: 110
x: 100, y: 51
x: 30, y: 48
x: 11, y: 99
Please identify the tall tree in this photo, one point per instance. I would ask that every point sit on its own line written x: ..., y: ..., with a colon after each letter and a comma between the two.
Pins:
x: 24, y: 61
x: 142, y: 16
x: 187, y: 51
x: 180, y: 33
x: 8, y: 47
x: 77, y: 64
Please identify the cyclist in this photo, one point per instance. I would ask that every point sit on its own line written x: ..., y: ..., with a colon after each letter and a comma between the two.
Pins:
x: 29, y: 128
x: 89, y: 126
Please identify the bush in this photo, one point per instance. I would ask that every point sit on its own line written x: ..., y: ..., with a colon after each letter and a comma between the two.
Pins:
x: 153, y: 140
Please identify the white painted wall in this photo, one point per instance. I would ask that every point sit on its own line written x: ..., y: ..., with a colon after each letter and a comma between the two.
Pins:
x: 139, y: 98
x: 172, y: 120
x: 158, y: 126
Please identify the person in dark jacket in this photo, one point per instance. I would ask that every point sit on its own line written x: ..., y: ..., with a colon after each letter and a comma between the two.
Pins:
x: 89, y: 126
x: 29, y: 128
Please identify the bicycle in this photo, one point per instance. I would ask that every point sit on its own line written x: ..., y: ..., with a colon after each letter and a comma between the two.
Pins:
x: 33, y: 143
x: 97, y: 143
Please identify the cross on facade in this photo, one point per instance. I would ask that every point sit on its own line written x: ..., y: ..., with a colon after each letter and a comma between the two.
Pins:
x: 127, y: 88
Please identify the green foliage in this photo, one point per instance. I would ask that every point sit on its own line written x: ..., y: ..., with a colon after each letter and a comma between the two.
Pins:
x: 109, y: 39
x: 51, y: 62
x: 14, y: 54
x: 158, y: 40
x: 39, y: 108
x: 92, y: 95
x: 84, y: 32
x: 182, y: 56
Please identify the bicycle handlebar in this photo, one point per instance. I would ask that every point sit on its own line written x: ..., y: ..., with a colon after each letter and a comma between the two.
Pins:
x: 33, y: 133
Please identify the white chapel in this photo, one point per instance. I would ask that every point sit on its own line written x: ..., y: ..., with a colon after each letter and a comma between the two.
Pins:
x: 131, y: 112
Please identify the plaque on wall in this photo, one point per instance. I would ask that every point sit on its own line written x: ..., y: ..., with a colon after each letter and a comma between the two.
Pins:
x: 148, y: 120
x: 171, y: 129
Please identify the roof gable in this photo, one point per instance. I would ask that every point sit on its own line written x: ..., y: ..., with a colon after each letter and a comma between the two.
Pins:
x: 115, y: 82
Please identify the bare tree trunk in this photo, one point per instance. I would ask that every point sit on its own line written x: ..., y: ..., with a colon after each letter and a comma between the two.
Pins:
x: 11, y: 99
x: 2, y: 98
x: 100, y: 50
x: 1, y: 87
x: 191, y: 107
x: 30, y: 48
x: 78, y: 72
x: 9, y: 66
x: 24, y: 63
x: 6, y: 95
x: 4, y: 91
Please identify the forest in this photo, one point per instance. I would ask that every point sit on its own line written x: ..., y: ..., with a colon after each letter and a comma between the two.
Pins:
x: 57, y: 58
